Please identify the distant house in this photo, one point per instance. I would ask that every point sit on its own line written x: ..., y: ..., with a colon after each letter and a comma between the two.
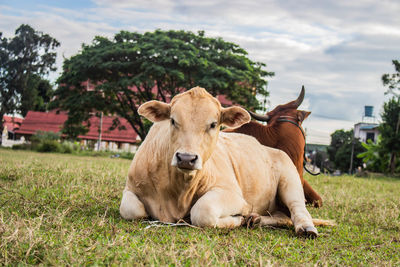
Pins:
x: 365, y: 131
x: 10, y: 125
x: 115, y: 140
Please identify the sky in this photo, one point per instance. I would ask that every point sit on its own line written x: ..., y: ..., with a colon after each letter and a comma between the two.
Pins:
x: 337, y: 49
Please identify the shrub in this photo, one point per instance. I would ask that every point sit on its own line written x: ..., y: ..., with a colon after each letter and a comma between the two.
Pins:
x: 49, y: 146
x: 69, y: 147
x: 22, y: 147
x: 127, y: 155
x: 42, y: 135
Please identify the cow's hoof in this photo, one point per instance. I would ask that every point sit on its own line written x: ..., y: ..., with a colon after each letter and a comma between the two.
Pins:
x: 317, y: 203
x: 308, y: 231
x: 253, y: 220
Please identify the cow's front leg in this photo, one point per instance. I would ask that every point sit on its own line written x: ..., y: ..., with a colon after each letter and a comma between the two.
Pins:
x: 131, y: 207
x: 291, y: 193
x: 311, y: 195
x: 219, y: 208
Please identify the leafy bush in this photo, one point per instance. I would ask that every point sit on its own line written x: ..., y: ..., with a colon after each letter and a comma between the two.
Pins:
x: 375, y: 157
x: 49, y: 146
x: 22, y: 147
x: 69, y: 147
x: 50, y: 142
x: 42, y: 135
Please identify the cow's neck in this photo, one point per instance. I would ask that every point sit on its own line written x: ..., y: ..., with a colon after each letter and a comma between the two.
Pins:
x: 291, y: 142
x: 271, y: 134
x: 185, y: 189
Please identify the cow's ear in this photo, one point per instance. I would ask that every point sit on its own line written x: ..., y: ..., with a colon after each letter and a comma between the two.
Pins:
x: 234, y: 117
x: 155, y: 110
x: 302, y: 115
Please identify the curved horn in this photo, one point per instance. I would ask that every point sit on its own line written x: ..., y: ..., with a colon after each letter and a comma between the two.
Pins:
x: 300, y: 99
x: 258, y: 116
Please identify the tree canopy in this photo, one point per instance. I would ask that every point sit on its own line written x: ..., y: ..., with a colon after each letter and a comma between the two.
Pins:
x: 392, y: 81
x: 24, y: 60
x: 390, y: 124
x: 36, y: 95
x: 133, y: 68
x: 389, y: 128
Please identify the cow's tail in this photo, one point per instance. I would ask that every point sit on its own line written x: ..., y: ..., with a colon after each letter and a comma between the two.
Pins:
x: 320, y: 222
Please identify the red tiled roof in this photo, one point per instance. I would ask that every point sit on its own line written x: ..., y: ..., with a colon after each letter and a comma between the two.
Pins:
x: 116, y: 135
x: 51, y: 121
x: 12, y: 123
x: 42, y: 121
x: 224, y: 100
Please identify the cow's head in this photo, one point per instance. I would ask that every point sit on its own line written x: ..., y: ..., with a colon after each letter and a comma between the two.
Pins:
x: 195, y: 119
x: 288, y: 110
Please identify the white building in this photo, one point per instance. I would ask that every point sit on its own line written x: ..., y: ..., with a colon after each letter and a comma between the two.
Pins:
x: 365, y: 131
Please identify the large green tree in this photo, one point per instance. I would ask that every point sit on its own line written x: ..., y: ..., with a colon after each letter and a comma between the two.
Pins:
x: 389, y: 128
x: 339, y: 138
x: 339, y: 150
x: 133, y: 68
x: 36, y: 95
x: 25, y: 59
x: 383, y: 156
x: 392, y: 81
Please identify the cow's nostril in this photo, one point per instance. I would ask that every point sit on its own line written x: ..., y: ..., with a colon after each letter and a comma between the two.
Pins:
x: 193, y: 161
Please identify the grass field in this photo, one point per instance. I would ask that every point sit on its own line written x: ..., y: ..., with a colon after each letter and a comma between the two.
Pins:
x: 63, y: 210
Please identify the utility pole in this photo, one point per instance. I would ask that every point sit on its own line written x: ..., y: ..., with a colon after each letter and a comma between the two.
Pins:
x: 100, y: 131
x: 101, y: 123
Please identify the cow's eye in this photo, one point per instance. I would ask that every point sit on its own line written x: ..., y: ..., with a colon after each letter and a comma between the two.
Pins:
x: 213, y: 125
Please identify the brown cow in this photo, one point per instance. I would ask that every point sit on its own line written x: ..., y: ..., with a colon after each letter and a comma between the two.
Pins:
x: 186, y: 167
x: 284, y: 132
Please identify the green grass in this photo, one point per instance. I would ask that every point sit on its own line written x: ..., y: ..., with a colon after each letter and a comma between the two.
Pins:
x: 60, y: 209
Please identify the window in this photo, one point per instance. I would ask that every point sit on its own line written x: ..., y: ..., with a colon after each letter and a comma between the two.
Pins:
x: 371, y: 136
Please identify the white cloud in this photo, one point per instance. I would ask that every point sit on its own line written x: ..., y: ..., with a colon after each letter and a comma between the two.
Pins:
x: 337, y: 49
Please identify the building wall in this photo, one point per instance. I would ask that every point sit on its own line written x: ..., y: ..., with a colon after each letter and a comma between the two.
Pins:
x: 116, y: 146
x: 10, y: 143
x: 361, y: 133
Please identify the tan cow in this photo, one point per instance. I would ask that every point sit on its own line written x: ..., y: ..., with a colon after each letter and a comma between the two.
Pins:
x: 186, y: 167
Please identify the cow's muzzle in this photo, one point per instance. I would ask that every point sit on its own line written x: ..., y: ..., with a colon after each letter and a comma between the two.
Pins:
x: 187, y: 161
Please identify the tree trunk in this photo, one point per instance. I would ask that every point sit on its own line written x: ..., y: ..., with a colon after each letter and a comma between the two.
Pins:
x: 352, y: 155
x: 392, y: 162
x: 1, y: 127
x: 1, y: 121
